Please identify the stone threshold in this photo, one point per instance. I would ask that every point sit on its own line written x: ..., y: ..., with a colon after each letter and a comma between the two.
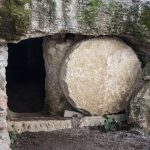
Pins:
x: 36, y: 122
x: 47, y: 124
x: 38, y: 125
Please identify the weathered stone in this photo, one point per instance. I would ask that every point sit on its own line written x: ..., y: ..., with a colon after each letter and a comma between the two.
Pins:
x: 3, y: 124
x: 73, y: 114
x: 91, y: 121
x: 38, y: 125
x: 4, y: 140
x: 34, y: 18
x: 54, y: 51
x: 3, y: 113
x: 140, y: 109
x: 3, y: 100
x: 3, y: 64
x: 94, y: 121
x: 146, y: 72
x: 98, y: 75
x: 4, y: 137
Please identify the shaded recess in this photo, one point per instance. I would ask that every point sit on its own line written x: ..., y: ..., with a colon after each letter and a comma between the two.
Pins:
x: 25, y: 76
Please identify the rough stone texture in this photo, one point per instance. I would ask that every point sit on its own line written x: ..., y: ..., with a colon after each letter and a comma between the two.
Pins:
x: 70, y: 114
x: 4, y: 137
x: 91, y: 121
x: 99, y: 74
x: 38, y: 125
x: 22, y: 19
x: 140, y: 109
x: 146, y: 72
x: 34, y: 18
x: 54, y: 49
x: 54, y: 53
x: 4, y: 140
x: 98, y: 120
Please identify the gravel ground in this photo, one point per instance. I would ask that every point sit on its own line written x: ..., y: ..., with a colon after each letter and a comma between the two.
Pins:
x: 81, y: 139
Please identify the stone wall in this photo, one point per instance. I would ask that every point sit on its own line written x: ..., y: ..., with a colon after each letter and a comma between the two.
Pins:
x: 4, y: 137
x: 55, y: 49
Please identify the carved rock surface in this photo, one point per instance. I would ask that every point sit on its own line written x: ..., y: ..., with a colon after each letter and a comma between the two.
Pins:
x: 140, y: 108
x: 33, y: 18
x: 4, y: 136
x: 99, y: 74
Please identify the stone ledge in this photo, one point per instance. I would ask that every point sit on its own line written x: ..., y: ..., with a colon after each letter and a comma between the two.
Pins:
x: 38, y: 125
x: 98, y: 120
x: 51, y: 125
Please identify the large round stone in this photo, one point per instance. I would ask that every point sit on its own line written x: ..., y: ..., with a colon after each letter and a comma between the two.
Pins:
x: 98, y: 75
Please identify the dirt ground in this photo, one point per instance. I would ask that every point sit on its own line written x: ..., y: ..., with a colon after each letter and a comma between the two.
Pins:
x: 77, y: 139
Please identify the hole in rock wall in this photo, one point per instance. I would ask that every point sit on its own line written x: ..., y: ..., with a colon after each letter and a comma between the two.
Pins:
x: 25, y: 76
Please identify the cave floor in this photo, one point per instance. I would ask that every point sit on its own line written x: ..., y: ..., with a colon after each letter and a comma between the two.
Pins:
x: 81, y: 139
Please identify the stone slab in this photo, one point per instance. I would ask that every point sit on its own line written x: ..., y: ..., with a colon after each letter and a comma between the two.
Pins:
x: 38, y: 125
x: 73, y: 114
x: 94, y: 121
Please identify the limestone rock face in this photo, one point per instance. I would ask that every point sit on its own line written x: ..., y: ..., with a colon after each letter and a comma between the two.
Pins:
x: 54, y: 49
x: 99, y: 74
x: 140, y: 108
x: 4, y: 136
x: 146, y: 72
x: 33, y: 18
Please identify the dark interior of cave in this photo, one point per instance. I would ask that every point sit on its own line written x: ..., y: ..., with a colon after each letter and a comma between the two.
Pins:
x: 25, y: 75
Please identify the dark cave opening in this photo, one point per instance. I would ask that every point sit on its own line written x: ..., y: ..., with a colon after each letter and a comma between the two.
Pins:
x: 25, y: 75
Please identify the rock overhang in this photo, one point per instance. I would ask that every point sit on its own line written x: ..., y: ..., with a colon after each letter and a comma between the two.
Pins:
x: 23, y: 19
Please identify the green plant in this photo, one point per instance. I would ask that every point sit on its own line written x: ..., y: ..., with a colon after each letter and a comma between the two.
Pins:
x: 13, y: 137
x: 110, y: 124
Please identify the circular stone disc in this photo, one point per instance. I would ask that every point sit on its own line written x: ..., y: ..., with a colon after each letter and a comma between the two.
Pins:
x: 99, y: 74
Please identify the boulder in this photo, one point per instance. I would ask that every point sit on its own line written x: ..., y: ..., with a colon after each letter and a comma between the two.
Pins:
x: 99, y: 74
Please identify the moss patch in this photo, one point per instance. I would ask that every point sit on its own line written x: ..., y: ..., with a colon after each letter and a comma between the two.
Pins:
x: 145, y: 17
x: 143, y: 25
x: 117, y: 13
x: 14, y: 19
x: 89, y: 13
x: 52, y: 5
x: 46, y: 8
x: 114, y: 13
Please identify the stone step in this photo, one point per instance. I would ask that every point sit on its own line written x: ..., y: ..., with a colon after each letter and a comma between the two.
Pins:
x: 38, y: 125
x: 47, y: 124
